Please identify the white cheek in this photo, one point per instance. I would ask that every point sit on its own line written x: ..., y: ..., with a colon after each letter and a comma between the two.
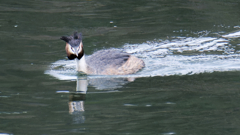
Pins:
x: 79, y: 49
x: 70, y: 49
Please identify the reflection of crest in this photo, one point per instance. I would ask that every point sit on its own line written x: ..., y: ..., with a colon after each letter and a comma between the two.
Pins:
x: 76, y: 103
x: 76, y: 107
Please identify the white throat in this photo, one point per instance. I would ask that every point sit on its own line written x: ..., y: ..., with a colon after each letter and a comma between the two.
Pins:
x: 82, y: 65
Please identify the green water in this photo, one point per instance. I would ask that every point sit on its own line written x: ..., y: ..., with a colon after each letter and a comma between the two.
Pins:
x: 206, y: 103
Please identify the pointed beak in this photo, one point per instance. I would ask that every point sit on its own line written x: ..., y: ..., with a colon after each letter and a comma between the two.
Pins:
x: 76, y: 52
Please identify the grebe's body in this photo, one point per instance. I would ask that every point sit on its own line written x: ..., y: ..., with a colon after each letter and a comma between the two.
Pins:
x: 103, y: 62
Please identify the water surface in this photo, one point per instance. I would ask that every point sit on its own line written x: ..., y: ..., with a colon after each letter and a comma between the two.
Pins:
x: 190, y: 84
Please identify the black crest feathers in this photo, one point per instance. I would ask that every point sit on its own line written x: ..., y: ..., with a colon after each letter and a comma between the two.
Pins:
x: 64, y: 38
x: 76, y: 36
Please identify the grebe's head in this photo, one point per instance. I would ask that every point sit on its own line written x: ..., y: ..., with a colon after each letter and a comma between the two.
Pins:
x: 74, y: 46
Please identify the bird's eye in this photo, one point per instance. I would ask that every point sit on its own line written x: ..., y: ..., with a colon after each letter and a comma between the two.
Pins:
x: 72, y: 49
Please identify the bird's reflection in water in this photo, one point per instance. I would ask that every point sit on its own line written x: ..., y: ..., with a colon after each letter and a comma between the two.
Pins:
x: 77, y: 99
x: 109, y: 83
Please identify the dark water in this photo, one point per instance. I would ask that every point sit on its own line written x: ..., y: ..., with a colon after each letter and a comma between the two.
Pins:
x: 197, y: 97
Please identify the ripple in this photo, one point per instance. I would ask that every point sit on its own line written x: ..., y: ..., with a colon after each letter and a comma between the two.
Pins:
x: 169, y: 133
x: 179, y: 56
x: 232, y: 35
x: 62, y: 91
x: 5, y: 134
x: 130, y: 105
x: 23, y: 112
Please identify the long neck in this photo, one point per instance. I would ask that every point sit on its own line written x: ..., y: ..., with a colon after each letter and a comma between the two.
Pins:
x: 82, y: 65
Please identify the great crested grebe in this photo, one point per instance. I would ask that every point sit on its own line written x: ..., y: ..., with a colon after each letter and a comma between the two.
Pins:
x: 103, y: 62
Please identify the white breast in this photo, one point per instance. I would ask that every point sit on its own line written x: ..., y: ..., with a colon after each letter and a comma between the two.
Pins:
x: 82, y: 65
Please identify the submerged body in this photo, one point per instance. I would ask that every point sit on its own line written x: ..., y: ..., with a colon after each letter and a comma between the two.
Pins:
x: 103, y: 62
